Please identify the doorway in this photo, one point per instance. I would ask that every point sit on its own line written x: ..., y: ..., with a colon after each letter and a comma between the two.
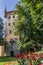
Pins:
x: 12, y: 53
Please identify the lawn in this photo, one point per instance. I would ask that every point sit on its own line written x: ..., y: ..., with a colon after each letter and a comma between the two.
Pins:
x: 4, y: 60
x: 2, y: 63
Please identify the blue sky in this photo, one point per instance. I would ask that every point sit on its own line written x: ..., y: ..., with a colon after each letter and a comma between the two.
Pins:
x: 10, y: 5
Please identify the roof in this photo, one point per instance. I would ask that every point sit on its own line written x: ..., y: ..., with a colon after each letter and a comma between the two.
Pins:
x: 10, y: 13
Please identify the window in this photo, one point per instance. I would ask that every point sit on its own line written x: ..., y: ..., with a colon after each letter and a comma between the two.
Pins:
x: 10, y: 31
x: 13, y: 16
x: 9, y: 24
x: 13, y: 23
x: 9, y: 17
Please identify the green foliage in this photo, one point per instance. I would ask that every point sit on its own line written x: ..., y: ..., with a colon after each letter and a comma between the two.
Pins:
x: 38, y: 62
x: 1, y: 30
x: 29, y: 24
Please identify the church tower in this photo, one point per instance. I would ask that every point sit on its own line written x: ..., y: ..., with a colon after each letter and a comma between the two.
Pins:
x: 10, y: 19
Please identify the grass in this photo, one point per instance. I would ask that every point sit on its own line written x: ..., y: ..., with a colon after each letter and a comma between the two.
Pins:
x: 4, y: 60
x: 2, y: 63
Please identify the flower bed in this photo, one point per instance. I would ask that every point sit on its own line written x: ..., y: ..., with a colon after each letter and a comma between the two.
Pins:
x: 27, y: 59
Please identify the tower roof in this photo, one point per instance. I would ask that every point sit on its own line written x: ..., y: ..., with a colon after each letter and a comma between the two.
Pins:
x: 10, y: 13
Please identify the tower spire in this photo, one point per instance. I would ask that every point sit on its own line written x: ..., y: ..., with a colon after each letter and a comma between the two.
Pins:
x: 5, y: 12
x: 5, y: 9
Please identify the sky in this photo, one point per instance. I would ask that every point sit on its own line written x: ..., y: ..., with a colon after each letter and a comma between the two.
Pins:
x: 9, y: 4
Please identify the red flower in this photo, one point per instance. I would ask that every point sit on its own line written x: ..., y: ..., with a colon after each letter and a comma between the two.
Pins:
x: 35, y: 54
x: 26, y: 55
x: 30, y: 63
x: 33, y: 58
x: 40, y: 64
x: 17, y: 55
x: 21, y: 56
x: 41, y: 55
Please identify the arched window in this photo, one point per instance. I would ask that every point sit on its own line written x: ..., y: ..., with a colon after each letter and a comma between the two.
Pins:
x: 13, y: 16
x: 13, y: 23
x: 9, y: 17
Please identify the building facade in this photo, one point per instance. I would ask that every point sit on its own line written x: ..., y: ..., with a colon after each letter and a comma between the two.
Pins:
x: 11, y: 47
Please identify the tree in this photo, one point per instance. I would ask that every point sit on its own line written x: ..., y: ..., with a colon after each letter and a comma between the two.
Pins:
x: 1, y: 30
x: 29, y: 24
